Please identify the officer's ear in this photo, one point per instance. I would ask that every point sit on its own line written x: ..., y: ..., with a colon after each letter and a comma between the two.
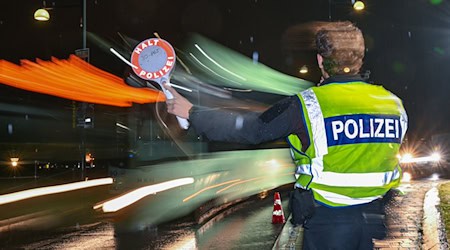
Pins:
x: 320, y: 61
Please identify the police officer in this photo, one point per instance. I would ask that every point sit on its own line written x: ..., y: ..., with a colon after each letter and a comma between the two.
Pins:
x: 344, y: 137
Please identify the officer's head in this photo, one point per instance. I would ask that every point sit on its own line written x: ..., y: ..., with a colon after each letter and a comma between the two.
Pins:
x: 340, y: 48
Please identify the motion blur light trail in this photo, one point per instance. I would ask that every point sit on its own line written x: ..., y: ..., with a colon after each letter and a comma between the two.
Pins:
x: 238, y: 183
x: 74, y: 79
x: 221, y: 66
x: 135, y: 195
x: 31, y: 193
x: 208, y: 188
x: 220, y: 177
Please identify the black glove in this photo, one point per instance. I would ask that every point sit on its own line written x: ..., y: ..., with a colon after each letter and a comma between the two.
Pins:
x: 301, y: 205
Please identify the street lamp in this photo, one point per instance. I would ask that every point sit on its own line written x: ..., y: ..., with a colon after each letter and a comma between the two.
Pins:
x: 42, y: 14
x: 303, y: 69
x: 358, y: 5
x: 14, y: 161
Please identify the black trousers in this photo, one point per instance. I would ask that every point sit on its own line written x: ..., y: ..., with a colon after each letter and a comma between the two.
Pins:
x: 346, y: 228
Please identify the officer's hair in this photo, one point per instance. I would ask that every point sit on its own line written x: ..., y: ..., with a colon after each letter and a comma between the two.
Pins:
x: 341, y: 44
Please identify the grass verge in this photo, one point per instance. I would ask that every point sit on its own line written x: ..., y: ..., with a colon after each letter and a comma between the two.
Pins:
x: 444, y: 195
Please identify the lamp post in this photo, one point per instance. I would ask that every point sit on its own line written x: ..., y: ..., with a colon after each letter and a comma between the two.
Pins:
x: 35, y: 169
x: 43, y: 15
x: 84, y: 23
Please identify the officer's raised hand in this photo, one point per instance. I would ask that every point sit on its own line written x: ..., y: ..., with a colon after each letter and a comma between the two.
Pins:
x: 178, y: 105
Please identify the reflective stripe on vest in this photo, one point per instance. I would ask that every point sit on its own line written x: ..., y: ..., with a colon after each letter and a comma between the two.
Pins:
x: 350, y: 180
x: 317, y: 122
x: 342, y: 199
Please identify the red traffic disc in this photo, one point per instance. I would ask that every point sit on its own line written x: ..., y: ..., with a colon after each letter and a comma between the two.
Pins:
x: 154, y: 58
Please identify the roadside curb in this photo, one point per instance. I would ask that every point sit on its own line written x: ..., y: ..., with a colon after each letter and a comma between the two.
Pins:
x: 290, y: 237
x: 433, y: 229
x: 414, y: 222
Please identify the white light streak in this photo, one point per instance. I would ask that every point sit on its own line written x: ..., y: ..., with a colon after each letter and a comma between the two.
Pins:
x: 122, y: 126
x: 137, y: 194
x: 31, y: 193
x: 432, y: 158
x: 218, y: 65
x: 206, y: 67
x: 180, y: 87
x: 122, y: 58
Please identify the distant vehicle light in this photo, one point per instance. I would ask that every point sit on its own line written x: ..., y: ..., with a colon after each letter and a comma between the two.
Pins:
x: 434, y: 177
x: 436, y: 156
x: 406, y: 177
x: 407, y: 157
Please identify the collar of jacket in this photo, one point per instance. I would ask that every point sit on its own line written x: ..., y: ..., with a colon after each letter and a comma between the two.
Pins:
x: 342, y: 79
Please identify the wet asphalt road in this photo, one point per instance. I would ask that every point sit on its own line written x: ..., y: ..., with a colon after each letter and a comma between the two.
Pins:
x: 247, y: 225
x: 67, y: 221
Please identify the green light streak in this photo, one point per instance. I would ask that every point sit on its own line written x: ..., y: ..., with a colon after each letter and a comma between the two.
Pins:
x: 435, y: 2
x: 203, y: 57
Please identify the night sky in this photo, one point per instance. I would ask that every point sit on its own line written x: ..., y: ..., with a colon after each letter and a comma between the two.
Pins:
x: 407, y: 41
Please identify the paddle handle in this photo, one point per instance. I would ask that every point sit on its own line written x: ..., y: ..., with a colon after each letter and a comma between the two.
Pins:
x: 184, y: 123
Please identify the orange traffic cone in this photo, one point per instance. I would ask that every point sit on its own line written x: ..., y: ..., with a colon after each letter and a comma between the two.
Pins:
x: 277, y: 215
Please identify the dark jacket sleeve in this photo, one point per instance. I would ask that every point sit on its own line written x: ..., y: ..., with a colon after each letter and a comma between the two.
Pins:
x: 279, y: 121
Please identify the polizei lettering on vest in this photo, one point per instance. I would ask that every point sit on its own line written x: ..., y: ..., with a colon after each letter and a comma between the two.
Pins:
x: 362, y: 129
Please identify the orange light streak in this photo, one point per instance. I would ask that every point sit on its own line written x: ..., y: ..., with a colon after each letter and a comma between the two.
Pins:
x: 249, y: 180
x: 238, y: 183
x: 207, y: 188
x: 74, y: 79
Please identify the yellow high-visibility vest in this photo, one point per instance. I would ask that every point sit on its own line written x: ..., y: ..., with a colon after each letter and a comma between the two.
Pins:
x: 355, y: 130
